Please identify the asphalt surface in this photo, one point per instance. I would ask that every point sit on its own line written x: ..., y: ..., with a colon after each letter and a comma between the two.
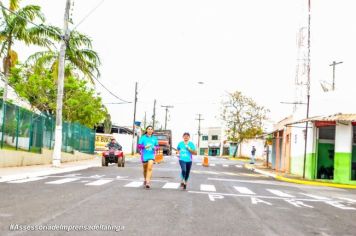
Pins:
x: 222, y: 199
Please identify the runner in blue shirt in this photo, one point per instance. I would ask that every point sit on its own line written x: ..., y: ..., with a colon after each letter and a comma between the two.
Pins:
x: 148, y: 144
x: 185, y: 150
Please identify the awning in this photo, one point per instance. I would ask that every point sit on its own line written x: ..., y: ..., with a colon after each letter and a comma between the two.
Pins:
x: 328, y: 120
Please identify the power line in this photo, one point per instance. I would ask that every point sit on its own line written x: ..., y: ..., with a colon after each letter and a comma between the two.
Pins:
x: 111, y: 92
x: 167, y: 107
x: 91, y: 12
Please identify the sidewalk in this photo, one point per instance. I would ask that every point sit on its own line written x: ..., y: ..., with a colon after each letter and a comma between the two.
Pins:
x: 259, y: 167
x: 17, y: 173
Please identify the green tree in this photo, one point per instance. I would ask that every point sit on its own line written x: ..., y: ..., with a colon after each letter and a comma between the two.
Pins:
x: 81, y: 103
x: 243, y: 117
x: 79, y: 57
x: 15, y: 26
x: 107, y: 123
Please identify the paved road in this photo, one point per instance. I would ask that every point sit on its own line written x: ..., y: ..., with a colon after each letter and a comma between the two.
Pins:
x: 223, y: 199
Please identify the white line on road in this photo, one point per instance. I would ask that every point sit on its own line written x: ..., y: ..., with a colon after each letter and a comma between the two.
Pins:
x: 315, y: 196
x: 348, y: 199
x: 238, y: 166
x: 62, y: 181
x: 279, y: 193
x: 171, y: 185
x: 225, y: 165
x: 207, y: 187
x: 243, y: 190
x: 259, y: 196
x: 99, y: 182
x: 199, y: 164
x: 26, y: 180
x: 97, y: 176
x: 134, y: 184
x: 211, y: 164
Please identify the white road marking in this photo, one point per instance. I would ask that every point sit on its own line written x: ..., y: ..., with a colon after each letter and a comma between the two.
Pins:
x: 255, y: 200
x: 121, y: 177
x: 134, y: 184
x: 26, y: 180
x: 211, y: 164
x: 96, y: 176
x: 279, y: 193
x: 62, y: 181
x: 99, y: 182
x: 297, y: 203
x: 348, y: 199
x: 212, y: 197
x: 199, y: 164
x: 225, y: 165
x: 207, y: 187
x: 339, y: 205
x: 315, y: 196
x: 171, y: 185
x: 243, y: 190
x: 72, y: 175
x: 238, y: 166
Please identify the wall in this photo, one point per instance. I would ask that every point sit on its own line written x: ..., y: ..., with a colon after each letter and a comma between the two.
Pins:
x: 9, y: 158
x: 246, y: 147
x: 297, y: 151
x: 125, y: 140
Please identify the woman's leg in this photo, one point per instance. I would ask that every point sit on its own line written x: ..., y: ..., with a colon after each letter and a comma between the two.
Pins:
x: 189, y: 166
x: 149, y: 171
x: 183, y: 166
x: 145, y: 164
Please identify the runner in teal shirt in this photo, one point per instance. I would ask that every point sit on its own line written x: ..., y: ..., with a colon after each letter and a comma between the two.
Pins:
x: 186, y: 149
x: 148, y: 144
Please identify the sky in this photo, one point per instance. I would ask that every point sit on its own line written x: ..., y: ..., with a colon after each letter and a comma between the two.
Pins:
x: 168, y: 47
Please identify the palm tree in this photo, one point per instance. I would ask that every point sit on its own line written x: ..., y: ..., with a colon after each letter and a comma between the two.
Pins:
x: 79, y: 56
x: 15, y: 26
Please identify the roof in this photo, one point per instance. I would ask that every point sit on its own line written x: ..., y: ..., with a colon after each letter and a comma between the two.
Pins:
x: 336, y: 117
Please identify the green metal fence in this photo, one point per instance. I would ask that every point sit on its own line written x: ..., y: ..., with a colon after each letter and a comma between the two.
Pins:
x: 21, y: 129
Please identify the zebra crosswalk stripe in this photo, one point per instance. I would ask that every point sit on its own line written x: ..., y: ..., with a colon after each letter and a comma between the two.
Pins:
x: 279, y: 193
x: 315, y: 196
x: 134, y: 184
x: 99, y: 182
x: 207, y: 187
x: 243, y: 190
x: 62, y: 181
x: 171, y: 185
x: 26, y: 180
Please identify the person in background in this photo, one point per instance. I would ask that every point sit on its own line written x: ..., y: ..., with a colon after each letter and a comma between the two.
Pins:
x: 148, y: 145
x: 185, y: 151
x: 113, y: 144
x: 253, y: 153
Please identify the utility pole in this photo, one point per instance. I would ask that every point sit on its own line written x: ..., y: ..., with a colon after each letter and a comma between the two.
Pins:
x: 154, y: 115
x: 333, y: 65
x: 144, y: 121
x: 308, y: 92
x: 199, y: 119
x: 56, y: 162
x: 134, y: 120
x: 165, y: 123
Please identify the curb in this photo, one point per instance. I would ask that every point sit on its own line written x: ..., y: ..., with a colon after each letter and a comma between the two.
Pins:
x: 51, y: 171
x: 298, y: 181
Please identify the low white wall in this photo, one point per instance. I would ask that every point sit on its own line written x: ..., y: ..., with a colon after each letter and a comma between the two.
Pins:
x: 246, y: 147
x: 10, y: 158
x: 125, y: 140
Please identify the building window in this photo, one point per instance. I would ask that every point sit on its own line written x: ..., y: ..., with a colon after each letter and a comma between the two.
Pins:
x: 214, y: 137
x: 204, y: 138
